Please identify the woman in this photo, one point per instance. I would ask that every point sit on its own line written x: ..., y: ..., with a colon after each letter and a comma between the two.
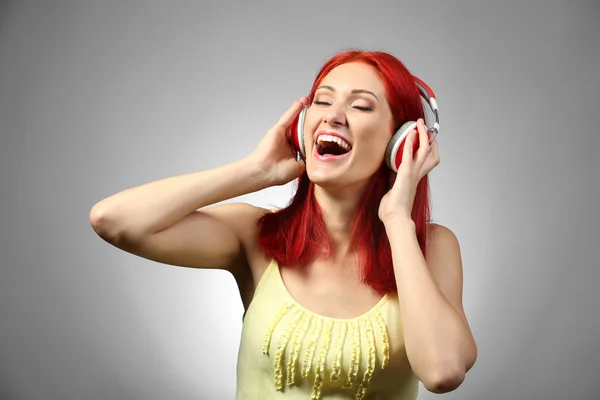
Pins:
x: 349, y: 291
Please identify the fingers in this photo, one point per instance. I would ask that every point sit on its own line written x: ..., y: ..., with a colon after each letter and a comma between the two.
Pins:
x: 434, y: 149
x: 407, y: 152
x: 432, y: 160
x: 434, y: 153
x: 287, y: 118
x: 424, y: 147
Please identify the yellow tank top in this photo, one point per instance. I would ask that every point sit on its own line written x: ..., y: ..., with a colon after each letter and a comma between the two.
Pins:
x: 289, y: 352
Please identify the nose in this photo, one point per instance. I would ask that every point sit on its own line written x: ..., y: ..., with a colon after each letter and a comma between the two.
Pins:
x: 334, y: 116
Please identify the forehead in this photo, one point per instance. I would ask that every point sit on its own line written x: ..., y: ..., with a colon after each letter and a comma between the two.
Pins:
x: 355, y: 75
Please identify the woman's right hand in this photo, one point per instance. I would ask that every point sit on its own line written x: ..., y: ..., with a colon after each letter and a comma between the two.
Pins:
x: 275, y: 155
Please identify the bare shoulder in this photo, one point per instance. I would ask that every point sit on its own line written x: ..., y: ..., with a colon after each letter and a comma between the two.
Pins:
x: 444, y: 261
x: 242, y: 218
x: 440, y: 235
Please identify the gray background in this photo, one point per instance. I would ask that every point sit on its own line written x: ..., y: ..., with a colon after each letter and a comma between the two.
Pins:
x: 96, y: 97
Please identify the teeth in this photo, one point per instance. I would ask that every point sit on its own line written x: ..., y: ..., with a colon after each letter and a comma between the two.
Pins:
x: 335, y: 139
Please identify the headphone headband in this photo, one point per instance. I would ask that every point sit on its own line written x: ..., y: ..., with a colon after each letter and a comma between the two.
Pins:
x: 428, y: 94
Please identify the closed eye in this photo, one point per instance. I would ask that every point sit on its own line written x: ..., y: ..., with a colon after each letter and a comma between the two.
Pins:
x: 323, y: 103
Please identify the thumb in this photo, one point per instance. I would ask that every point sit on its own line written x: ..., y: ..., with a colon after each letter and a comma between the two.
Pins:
x: 300, y: 166
x: 296, y: 167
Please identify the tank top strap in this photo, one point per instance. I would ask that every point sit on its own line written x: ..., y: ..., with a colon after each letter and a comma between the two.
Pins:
x: 266, y: 276
x: 263, y: 284
x: 268, y: 272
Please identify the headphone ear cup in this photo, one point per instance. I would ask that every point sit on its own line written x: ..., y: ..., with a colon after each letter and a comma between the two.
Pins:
x: 393, y: 156
x: 298, y: 141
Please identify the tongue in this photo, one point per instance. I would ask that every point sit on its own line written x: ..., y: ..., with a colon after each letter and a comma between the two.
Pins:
x: 330, y: 148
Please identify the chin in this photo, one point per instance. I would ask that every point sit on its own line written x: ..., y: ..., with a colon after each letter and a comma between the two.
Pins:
x: 336, y: 179
x: 325, y: 180
x: 342, y: 173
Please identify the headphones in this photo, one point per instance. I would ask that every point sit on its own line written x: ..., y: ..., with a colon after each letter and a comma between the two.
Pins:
x: 393, y: 157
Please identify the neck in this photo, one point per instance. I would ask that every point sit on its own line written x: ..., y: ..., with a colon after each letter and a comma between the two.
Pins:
x: 339, y: 207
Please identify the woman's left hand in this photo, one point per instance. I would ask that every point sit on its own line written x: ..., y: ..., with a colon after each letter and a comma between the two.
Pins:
x: 398, y: 202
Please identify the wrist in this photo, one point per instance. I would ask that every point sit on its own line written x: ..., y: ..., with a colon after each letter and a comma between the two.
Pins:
x: 252, y: 172
x: 399, y: 221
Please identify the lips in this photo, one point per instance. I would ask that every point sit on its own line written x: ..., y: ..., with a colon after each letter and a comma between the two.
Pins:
x: 328, y: 157
x: 336, y: 134
x: 335, y: 146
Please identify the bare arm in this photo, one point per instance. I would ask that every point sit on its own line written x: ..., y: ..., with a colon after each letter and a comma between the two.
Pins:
x: 161, y: 220
x: 152, y: 207
x: 168, y: 220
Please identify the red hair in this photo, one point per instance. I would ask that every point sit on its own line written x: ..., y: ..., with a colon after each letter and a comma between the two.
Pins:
x: 296, y: 234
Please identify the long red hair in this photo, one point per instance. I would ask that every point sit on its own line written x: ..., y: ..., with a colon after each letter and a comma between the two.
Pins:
x: 296, y: 234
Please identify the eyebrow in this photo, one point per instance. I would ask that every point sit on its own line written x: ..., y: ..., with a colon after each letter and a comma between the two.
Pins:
x: 353, y: 91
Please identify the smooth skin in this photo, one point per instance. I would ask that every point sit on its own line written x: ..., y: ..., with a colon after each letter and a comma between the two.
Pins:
x: 174, y: 221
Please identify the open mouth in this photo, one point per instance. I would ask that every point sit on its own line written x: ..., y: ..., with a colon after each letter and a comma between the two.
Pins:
x: 328, y: 145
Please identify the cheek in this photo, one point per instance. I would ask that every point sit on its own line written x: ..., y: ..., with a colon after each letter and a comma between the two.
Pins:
x: 376, y: 139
